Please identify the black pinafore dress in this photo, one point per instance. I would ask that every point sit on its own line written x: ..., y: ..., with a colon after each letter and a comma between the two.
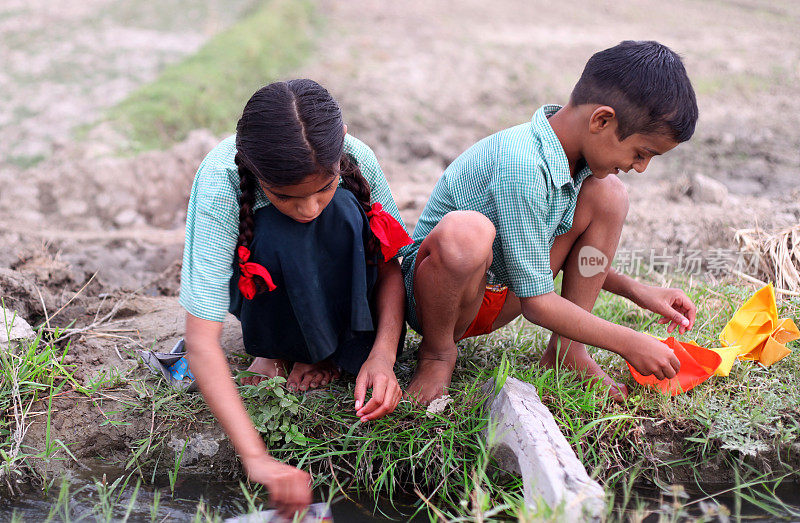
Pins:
x: 322, y: 306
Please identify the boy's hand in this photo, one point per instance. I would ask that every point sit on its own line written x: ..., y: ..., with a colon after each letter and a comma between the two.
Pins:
x: 649, y: 356
x: 673, y: 305
x: 289, y: 487
x: 378, y: 373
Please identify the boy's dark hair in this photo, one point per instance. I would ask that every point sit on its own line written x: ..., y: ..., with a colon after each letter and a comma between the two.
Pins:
x: 646, y: 84
x: 287, y: 132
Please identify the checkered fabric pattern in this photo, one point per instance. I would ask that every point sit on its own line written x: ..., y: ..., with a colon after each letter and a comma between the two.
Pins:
x: 212, y: 224
x: 519, y: 178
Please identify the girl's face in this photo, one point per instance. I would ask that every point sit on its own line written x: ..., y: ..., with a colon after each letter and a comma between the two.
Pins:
x: 304, y: 201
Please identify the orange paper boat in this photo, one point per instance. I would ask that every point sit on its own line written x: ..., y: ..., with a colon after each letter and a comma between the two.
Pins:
x: 697, y: 365
x: 757, y: 330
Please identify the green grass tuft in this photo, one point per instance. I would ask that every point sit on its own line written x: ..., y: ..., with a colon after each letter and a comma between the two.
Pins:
x: 209, y: 89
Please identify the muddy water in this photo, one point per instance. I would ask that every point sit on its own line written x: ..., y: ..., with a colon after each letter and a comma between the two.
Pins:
x: 695, y: 503
x: 223, y: 498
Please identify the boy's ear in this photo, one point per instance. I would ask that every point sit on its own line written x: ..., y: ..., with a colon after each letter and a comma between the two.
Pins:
x: 345, y: 128
x: 602, y: 118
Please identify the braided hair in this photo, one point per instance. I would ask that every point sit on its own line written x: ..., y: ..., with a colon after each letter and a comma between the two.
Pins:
x: 288, y: 131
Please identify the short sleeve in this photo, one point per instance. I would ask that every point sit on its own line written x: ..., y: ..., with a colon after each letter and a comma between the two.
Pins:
x: 372, y: 172
x: 521, y: 200
x: 211, y: 235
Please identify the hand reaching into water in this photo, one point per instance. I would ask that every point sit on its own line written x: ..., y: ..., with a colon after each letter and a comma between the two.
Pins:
x: 289, y: 487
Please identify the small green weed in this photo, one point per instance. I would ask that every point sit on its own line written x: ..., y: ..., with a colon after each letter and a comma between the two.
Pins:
x: 173, y: 472
x: 274, y: 410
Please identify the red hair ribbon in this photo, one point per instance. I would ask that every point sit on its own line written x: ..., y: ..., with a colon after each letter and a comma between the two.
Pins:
x: 249, y: 269
x: 388, y: 231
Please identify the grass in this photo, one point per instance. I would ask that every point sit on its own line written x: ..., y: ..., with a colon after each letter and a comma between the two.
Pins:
x: 30, y: 372
x: 728, y: 442
x: 24, y: 161
x: 720, y: 431
x: 209, y: 89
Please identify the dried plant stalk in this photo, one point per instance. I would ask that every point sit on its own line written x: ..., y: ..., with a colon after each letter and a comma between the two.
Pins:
x: 777, y: 254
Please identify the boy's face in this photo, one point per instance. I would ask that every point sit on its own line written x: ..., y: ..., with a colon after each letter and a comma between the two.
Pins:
x: 606, y: 154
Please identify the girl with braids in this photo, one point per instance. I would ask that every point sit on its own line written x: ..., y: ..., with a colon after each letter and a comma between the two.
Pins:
x: 291, y: 227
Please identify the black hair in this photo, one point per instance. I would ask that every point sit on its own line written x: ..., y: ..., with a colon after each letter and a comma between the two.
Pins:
x: 287, y: 132
x: 646, y: 84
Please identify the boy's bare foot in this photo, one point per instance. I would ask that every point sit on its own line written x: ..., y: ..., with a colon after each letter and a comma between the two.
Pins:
x: 305, y: 376
x: 433, y: 374
x: 577, y: 358
x: 267, y: 368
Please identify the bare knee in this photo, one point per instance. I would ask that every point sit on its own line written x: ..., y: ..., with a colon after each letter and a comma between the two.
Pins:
x: 608, y: 197
x: 461, y: 242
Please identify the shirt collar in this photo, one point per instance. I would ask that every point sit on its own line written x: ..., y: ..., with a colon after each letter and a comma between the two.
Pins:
x: 552, y: 151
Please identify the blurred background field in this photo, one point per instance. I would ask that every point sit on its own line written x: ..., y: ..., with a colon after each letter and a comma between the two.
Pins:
x: 109, y: 107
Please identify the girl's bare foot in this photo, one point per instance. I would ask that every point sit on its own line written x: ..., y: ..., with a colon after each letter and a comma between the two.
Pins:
x: 579, y: 360
x: 305, y: 376
x: 267, y: 368
x: 433, y: 374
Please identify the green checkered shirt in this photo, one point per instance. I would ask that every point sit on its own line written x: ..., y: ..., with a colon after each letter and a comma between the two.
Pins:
x: 212, y: 224
x: 519, y: 178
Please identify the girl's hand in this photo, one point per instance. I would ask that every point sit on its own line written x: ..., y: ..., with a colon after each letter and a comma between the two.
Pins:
x: 289, y: 487
x: 378, y: 373
x: 672, y: 304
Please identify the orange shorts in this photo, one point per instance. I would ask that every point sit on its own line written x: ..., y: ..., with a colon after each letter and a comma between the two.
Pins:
x: 493, y: 299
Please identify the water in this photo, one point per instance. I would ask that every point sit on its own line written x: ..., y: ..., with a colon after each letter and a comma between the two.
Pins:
x: 88, y: 500
x: 696, y: 503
